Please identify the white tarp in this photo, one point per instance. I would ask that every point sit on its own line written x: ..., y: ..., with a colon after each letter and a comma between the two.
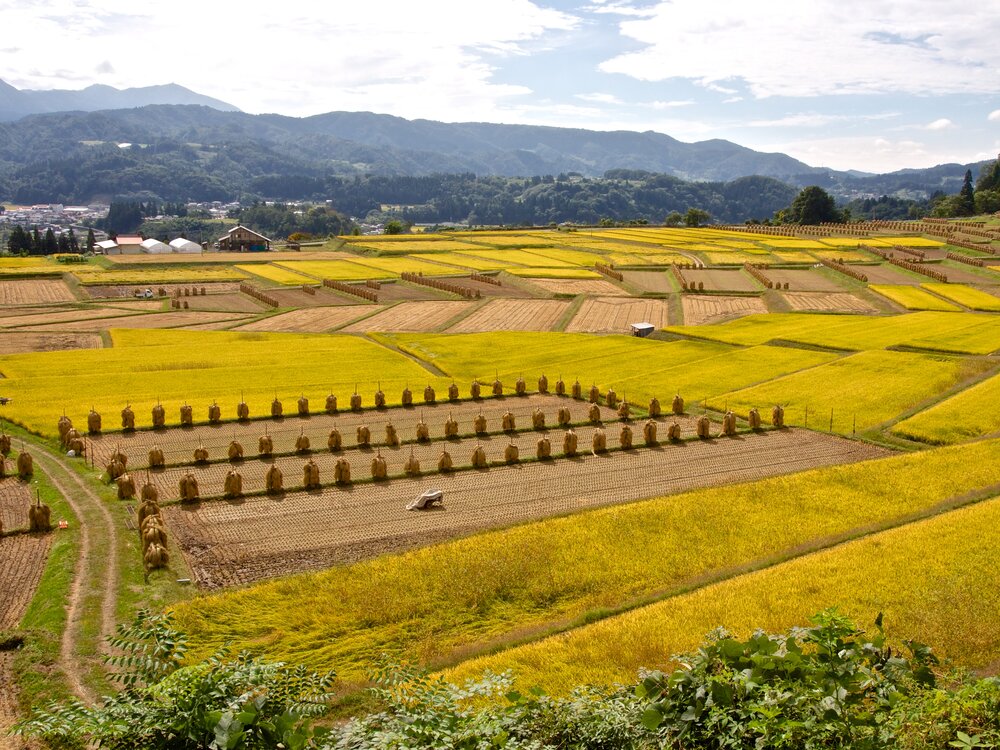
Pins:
x: 155, y: 246
x: 181, y: 245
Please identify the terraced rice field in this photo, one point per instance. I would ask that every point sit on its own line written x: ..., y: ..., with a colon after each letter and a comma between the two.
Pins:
x: 34, y: 292
x: 827, y: 302
x: 309, y: 320
x: 337, y: 270
x: 176, y: 319
x: 513, y: 315
x: 803, y: 281
x: 718, y: 280
x: 232, y: 302
x: 157, y: 276
x: 614, y: 315
x: 658, y: 282
x: 555, y: 273
x: 972, y: 298
x: 62, y: 315
x: 15, y: 342
x: 965, y: 416
x: 412, y: 316
x: 228, y: 544
x: 462, y: 261
x: 592, y: 287
x: 276, y: 274
x: 913, y: 297
x: 887, y: 274
x: 702, y: 309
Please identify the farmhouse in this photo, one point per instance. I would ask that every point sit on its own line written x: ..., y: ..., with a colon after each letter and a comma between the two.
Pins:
x: 130, y: 244
x: 241, y: 239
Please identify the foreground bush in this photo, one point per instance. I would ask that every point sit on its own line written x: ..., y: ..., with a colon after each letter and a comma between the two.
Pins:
x: 825, y: 686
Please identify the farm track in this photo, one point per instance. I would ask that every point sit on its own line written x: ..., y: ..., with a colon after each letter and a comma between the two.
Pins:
x: 96, y: 574
x: 236, y: 542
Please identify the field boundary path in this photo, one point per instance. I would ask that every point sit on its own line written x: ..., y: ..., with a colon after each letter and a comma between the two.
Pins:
x: 93, y: 595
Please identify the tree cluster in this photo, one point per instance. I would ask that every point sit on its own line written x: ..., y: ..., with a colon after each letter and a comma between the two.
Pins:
x: 971, y: 200
x: 281, y: 220
x: 23, y: 242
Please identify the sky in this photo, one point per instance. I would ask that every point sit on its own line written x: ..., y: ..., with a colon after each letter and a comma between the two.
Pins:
x: 872, y: 85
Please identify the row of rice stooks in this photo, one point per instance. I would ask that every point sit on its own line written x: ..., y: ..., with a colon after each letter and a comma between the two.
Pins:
x: 39, y: 514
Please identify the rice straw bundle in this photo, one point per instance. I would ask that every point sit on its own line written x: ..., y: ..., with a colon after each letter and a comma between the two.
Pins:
x: 678, y: 404
x: 342, y: 471
x: 423, y: 431
x: 146, y: 509
x: 188, y: 487
x: 674, y: 432
x: 569, y: 442
x: 475, y: 389
x: 520, y: 387
x: 654, y: 407
x: 407, y: 398
x: 543, y: 448
x: 302, y: 443
x: 479, y: 457
x: 273, y: 479
x: 479, y: 424
x: 429, y: 396
x: 156, y: 457
x: 379, y: 399
x: 380, y: 470
x: 187, y: 415
x: 754, y: 419
x: 156, y: 556
x: 444, y: 461
x: 356, y: 402
x: 453, y: 392
x: 704, y: 427
x: 93, y: 422
x: 64, y: 425
x: 310, y: 475
x: 214, y: 413
x: 242, y: 410
x: 451, y: 427
x: 3, y: 468
x: 391, y: 438
x: 149, y: 493
x: 233, y: 486
x: 201, y: 454
x: 595, y: 394
x: 335, y: 441
x: 543, y: 384
x: 412, y: 466
x: 600, y: 441
x: 577, y: 390
x: 625, y: 437
x: 126, y: 487
x: 75, y: 445
x: 265, y: 445
x: 729, y: 424
x: 563, y: 416
x: 364, y: 436
x: 560, y: 387
x: 538, y: 419
x: 507, y: 422
x: 611, y: 399
x: 594, y: 413
x: 114, y: 469
x: 624, y: 410
x: 39, y: 516
x: 778, y: 416
x: 303, y: 406
x: 235, y: 451
x: 497, y: 387
x: 331, y: 404
x: 4, y: 443
x: 511, y: 454
x: 159, y: 416
x: 276, y: 408
x: 649, y: 432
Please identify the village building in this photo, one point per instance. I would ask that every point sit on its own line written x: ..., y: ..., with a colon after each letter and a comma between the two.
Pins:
x: 130, y: 244
x: 239, y: 239
x: 155, y: 246
x: 107, y: 247
x: 181, y: 245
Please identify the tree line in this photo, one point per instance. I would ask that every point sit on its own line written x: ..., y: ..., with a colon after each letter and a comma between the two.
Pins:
x: 24, y: 242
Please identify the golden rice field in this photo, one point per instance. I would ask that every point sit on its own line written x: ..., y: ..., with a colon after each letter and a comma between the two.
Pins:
x: 338, y: 270
x: 967, y: 296
x: 860, y: 391
x: 554, y: 273
x: 445, y: 602
x: 912, y: 298
x: 276, y: 274
x: 518, y: 258
x: 965, y: 416
x: 401, y: 265
x: 180, y: 275
x: 566, y: 255
x: 410, y: 244
x: 462, y: 261
x: 911, y: 574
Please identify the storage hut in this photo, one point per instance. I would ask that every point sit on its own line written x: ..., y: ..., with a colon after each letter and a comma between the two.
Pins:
x: 181, y: 245
x: 155, y: 247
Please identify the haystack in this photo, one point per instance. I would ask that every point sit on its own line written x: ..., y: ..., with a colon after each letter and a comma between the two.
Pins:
x: 649, y: 432
x: 654, y: 407
x: 276, y: 408
x: 600, y: 441
x: 520, y: 387
x: 497, y: 387
x: 569, y: 442
x: 444, y: 461
x: 479, y: 457
x: 364, y: 436
x: 310, y: 475
x: 233, y: 486
x: 159, y: 416
x: 594, y: 413
x: 303, y: 406
x: 754, y: 419
x: 380, y: 470
x: 611, y: 398
x: 153, y: 534
x: 560, y: 387
x: 624, y: 410
x: 156, y: 556
x: 214, y: 413
x: 678, y: 404
x: 4, y: 444
x: 201, y: 454
x: 412, y: 466
x: 453, y: 392
x: 126, y: 487
x: 265, y: 445
x: 64, y: 425
x: 729, y: 424
x: 479, y: 424
x: 778, y: 416
x: 423, y: 431
x: 335, y: 441
x: 342, y: 471
x: 156, y: 457
x: 302, y: 443
x: 406, y: 399
x: 451, y: 427
x: 331, y: 404
x: 187, y: 415
x: 114, y: 469
x: 511, y: 454
x: 356, y: 402
x: 391, y: 438
x: 71, y: 436
x: 543, y: 384
x: 75, y: 445
x: 563, y: 416
x: 674, y: 432
x: 475, y: 389
x: 594, y: 395
x: 39, y: 516
x: 235, y: 451
x: 507, y: 422
x: 146, y: 509
x: 149, y: 493
x: 429, y: 396
x: 273, y: 479
x: 543, y: 449
x: 625, y: 437
x: 188, y: 487
x: 242, y: 410
x: 119, y: 456
x: 577, y: 390
x: 379, y: 399
x: 93, y: 422
x: 704, y: 427
x: 538, y: 419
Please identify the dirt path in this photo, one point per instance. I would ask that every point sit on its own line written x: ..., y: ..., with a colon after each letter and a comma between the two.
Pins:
x: 94, y: 591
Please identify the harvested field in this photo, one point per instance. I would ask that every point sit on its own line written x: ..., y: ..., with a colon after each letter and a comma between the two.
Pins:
x: 231, y: 302
x: 15, y: 342
x: 702, y: 309
x: 178, y: 443
x: 15, y: 497
x: 175, y: 319
x: 505, y: 289
x: 219, y: 325
x: 650, y: 281
x: 34, y: 292
x: 804, y: 280
x: 614, y: 315
x: 138, y: 305
x: 64, y: 316
x: 824, y: 302
x: 719, y: 280
x: 232, y: 543
x: 597, y: 287
x: 128, y: 292
x: 400, y: 291
x: 22, y: 561
x: 313, y: 319
x: 324, y: 297
x: 412, y: 316
x: 513, y: 315
x: 887, y: 273
x: 957, y: 275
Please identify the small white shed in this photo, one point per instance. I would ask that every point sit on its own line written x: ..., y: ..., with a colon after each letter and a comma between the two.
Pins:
x: 108, y: 247
x: 155, y: 246
x: 181, y: 245
x: 642, y: 329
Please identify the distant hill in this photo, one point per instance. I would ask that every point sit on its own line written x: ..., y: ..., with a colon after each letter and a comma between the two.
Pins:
x: 15, y: 104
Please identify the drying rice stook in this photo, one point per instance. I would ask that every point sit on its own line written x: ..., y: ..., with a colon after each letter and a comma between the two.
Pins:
x: 543, y: 449
x: 242, y: 411
x: 156, y: 556
x: 310, y: 475
x: 265, y: 445
x: 342, y: 471
x: 276, y: 408
x: 429, y: 396
x: 611, y: 398
x: 624, y: 409
x: 391, y: 438
x: 331, y: 404
x: 156, y: 458
x: 560, y: 387
x: 380, y: 469
x: 302, y: 443
x: 126, y: 487
x: 654, y: 407
x: 520, y: 387
x: 543, y: 384
x: 159, y: 415
x: 497, y: 387
x: 754, y: 419
x: 594, y: 395
x: 594, y: 414
x: 444, y: 461
x: 303, y: 406
x: 577, y: 390
x: 149, y: 492
x: 423, y: 431
x: 201, y: 454
x: 451, y: 427
x: 511, y: 455
x: 507, y: 422
x: 188, y: 487
x: 273, y: 479
x: 649, y: 432
x: 475, y: 389
x: 235, y: 451
x: 379, y: 399
x: 25, y: 465
x: 674, y: 432
x: 64, y: 425
x: 214, y: 413
x: 39, y: 516
x: 453, y: 392
x: 355, y: 401
x: 335, y: 440
x: 479, y: 424
x: 778, y: 416
x: 538, y: 419
x: 93, y: 422
x: 146, y: 509
x: 625, y: 437
x: 479, y: 457
x: 704, y: 427
x: 407, y: 398
x: 599, y: 441
x: 569, y: 442
x: 187, y: 415
x: 563, y: 416
x: 115, y: 468
x: 729, y: 424
x: 678, y: 405
x: 364, y: 436
x: 234, y: 484
x: 4, y: 443
x: 412, y: 466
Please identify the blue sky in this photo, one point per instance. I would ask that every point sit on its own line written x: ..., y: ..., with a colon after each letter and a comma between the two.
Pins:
x: 850, y: 84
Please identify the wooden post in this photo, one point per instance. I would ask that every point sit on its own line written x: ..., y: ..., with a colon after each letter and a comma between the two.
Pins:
x: 807, y: 418
x: 831, y: 420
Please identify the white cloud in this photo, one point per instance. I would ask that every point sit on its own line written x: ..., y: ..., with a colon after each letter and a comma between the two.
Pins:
x: 671, y: 104
x: 994, y: 116
x: 620, y: 9
x: 598, y: 98
x: 941, y: 124
x: 869, y: 153
x: 818, y: 48
x: 815, y: 120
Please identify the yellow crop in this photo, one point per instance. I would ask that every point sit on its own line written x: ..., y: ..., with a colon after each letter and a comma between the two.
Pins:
x: 179, y: 275
x: 913, y: 574
x: 912, y: 298
x: 338, y: 270
x: 555, y: 273
x: 464, y: 262
x: 275, y: 273
x: 966, y: 415
x: 518, y: 258
x: 400, y: 265
x: 972, y: 298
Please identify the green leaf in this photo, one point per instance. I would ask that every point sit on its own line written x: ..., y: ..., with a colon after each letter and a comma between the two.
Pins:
x: 651, y: 718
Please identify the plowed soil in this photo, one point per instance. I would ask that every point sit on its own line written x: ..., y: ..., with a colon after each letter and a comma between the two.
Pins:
x: 701, y: 309
x: 310, y: 319
x: 579, y: 286
x: 16, y: 342
x: 324, y: 297
x: 513, y: 315
x: 176, y: 319
x: 821, y: 302
x: 616, y: 314
x: 412, y: 316
x: 492, y: 290
x: 230, y: 302
x: 232, y: 543
x: 721, y: 280
x: 650, y: 281
x: 64, y: 316
x: 34, y: 292
x: 127, y: 291
x: 802, y: 280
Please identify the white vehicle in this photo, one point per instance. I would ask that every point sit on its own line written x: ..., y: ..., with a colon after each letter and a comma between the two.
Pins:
x: 144, y: 293
x: 425, y: 500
